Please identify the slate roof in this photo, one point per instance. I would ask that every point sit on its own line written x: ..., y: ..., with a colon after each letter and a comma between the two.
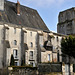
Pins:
x: 28, y: 16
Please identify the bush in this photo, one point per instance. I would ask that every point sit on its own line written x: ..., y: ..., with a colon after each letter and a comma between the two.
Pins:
x: 12, y: 61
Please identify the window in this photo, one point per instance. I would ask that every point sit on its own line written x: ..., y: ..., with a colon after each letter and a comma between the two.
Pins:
x: 14, y: 30
x: 15, y: 53
x: 48, y: 57
x: 30, y: 33
x: 66, y: 68
x: 31, y: 54
x: 15, y: 42
x: 57, y: 39
x: 31, y: 44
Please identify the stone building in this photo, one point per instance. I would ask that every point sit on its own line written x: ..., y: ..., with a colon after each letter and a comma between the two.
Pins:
x: 19, y: 26
x: 66, y: 22
x: 24, y: 35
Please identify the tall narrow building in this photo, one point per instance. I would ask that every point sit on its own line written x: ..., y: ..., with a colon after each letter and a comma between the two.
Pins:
x: 66, y: 22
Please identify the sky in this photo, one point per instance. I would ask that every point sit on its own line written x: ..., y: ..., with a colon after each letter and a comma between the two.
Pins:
x: 48, y: 9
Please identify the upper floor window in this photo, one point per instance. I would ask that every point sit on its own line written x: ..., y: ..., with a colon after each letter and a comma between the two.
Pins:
x: 31, y: 44
x: 14, y: 30
x: 57, y: 39
x: 30, y: 33
x: 15, y: 42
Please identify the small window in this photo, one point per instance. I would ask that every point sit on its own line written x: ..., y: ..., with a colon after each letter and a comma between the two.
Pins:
x: 30, y: 33
x: 57, y: 39
x: 31, y: 44
x: 15, y: 42
x: 14, y: 30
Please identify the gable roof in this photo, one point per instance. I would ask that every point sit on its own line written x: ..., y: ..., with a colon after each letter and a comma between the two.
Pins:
x: 28, y: 17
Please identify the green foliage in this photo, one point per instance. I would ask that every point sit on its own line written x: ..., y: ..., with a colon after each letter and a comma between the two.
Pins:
x: 73, y: 67
x: 23, y: 62
x: 68, y: 46
x: 12, y: 61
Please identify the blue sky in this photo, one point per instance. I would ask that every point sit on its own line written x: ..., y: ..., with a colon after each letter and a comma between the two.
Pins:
x: 48, y: 9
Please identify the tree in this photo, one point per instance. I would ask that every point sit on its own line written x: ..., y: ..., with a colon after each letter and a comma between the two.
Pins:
x: 12, y: 61
x: 68, y: 48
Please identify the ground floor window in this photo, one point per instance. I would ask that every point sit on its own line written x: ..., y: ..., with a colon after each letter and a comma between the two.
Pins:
x: 15, y: 53
x: 48, y: 57
x: 31, y: 63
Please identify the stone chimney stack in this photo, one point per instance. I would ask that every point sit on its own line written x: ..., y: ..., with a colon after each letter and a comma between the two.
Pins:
x: 2, y: 5
x: 18, y: 7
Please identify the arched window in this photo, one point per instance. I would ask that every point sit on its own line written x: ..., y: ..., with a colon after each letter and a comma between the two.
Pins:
x: 15, y: 42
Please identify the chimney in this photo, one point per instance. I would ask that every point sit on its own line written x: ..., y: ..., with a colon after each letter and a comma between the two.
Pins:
x: 18, y: 7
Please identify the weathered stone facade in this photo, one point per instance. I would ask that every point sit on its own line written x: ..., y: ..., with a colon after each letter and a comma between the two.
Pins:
x: 25, y: 36
x: 66, y: 22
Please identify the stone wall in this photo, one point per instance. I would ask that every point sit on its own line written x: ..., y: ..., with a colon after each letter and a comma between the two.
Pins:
x: 22, y: 71
x: 47, y: 68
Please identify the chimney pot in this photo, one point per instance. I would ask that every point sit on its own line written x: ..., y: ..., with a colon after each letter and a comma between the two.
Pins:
x: 18, y: 8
